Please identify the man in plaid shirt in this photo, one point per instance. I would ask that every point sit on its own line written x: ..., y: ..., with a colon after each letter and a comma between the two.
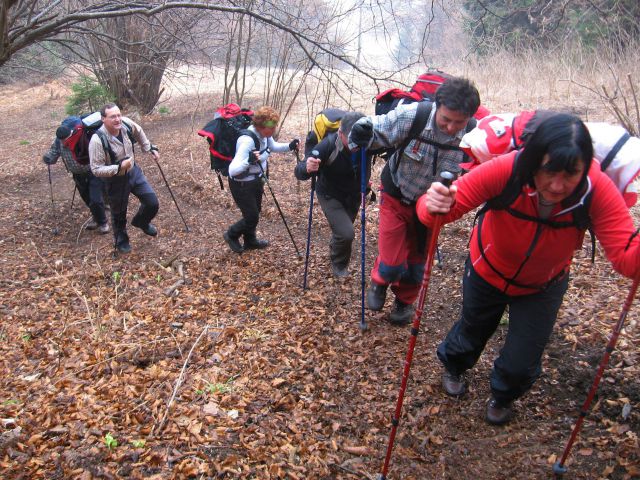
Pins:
x: 89, y: 186
x: 417, y: 162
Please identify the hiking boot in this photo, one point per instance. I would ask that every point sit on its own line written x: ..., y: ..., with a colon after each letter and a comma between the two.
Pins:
x: 233, y: 242
x: 254, y: 243
x: 376, y: 295
x: 453, y: 385
x: 149, y: 228
x: 339, y: 272
x: 498, y: 413
x: 402, y: 313
x: 123, y: 246
x: 92, y: 225
x: 104, y: 228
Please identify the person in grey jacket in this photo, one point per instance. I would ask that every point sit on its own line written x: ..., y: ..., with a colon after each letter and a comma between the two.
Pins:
x: 116, y: 164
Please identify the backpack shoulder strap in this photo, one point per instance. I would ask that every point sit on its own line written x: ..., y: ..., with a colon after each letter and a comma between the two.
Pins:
x: 254, y: 137
x: 614, y: 151
x: 423, y: 112
x: 106, y: 147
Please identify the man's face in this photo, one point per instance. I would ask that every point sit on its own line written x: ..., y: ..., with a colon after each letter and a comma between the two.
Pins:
x: 112, y: 119
x: 450, y: 121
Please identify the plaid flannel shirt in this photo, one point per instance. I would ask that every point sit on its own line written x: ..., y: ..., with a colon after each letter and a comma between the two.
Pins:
x: 421, y: 162
x: 58, y: 150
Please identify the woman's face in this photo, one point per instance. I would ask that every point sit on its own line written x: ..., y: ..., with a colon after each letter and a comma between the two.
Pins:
x: 554, y: 187
x: 266, y: 131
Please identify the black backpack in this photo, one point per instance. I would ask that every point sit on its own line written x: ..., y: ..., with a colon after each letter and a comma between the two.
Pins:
x: 222, y: 133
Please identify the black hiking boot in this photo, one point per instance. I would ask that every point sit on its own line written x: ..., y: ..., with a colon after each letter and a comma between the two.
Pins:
x: 498, y: 413
x: 453, y: 385
x: 233, y: 242
x: 149, y: 228
x: 254, y: 243
x: 402, y: 313
x: 376, y: 295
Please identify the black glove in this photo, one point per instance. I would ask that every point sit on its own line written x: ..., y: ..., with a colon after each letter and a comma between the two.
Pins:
x: 361, y: 134
x: 48, y: 160
x: 253, y: 158
x: 294, y: 144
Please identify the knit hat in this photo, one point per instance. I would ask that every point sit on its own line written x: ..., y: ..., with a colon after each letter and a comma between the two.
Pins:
x: 63, y: 132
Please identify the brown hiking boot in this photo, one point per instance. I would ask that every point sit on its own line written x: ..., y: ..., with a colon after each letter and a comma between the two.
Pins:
x: 498, y: 413
x: 454, y: 385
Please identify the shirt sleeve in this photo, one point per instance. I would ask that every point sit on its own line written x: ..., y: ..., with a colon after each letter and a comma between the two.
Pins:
x: 391, y: 130
x: 277, y: 147
x: 613, y: 226
x: 240, y: 162
x: 138, y: 134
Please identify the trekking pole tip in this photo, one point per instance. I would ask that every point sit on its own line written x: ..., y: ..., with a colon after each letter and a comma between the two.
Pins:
x: 364, y: 327
x: 55, y: 231
x: 559, y: 469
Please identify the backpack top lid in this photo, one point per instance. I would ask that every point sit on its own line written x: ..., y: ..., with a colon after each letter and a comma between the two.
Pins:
x: 231, y: 110
x: 427, y: 83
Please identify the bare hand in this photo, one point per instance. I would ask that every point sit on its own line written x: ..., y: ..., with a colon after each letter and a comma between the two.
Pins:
x: 440, y: 198
x: 313, y: 164
x: 126, y: 165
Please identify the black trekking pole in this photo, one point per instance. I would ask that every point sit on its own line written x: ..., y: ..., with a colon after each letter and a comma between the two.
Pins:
x: 275, y: 200
x: 73, y: 197
x: 445, y: 178
x: 53, y: 207
x: 316, y: 154
x: 186, y: 227
x: 558, y: 468
x: 363, y: 198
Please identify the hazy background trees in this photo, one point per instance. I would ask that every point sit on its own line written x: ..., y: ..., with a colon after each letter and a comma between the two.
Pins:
x: 312, y: 49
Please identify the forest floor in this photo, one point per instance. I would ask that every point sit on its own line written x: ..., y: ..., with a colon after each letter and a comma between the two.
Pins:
x: 185, y: 360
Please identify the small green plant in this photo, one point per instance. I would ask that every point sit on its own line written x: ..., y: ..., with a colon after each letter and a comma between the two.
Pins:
x: 11, y: 401
x: 117, y: 276
x: 158, y: 278
x: 24, y: 142
x: 110, y: 442
x: 87, y: 95
x: 138, y: 443
x: 212, y: 388
x: 26, y: 337
x: 163, y: 110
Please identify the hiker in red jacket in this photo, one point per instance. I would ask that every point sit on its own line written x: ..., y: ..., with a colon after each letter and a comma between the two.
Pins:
x: 520, y: 253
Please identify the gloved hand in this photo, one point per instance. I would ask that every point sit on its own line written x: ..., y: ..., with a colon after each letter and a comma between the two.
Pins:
x: 254, y: 157
x: 294, y: 144
x: 48, y: 160
x: 361, y: 134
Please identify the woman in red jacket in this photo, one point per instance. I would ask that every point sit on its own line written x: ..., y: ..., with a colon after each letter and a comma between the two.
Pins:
x: 520, y: 255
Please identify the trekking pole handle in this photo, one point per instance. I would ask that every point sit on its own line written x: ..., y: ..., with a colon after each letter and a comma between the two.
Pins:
x: 447, y: 178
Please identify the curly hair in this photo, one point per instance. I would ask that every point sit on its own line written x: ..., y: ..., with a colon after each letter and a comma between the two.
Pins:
x: 266, y: 117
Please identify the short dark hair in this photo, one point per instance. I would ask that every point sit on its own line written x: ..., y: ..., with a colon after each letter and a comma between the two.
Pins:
x: 348, y: 120
x: 107, y: 106
x: 460, y: 95
x: 566, y: 140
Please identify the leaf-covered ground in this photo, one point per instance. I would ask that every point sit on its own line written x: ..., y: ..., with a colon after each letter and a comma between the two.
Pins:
x: 184, y: 360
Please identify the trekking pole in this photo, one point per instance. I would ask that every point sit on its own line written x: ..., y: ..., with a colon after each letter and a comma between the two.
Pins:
x: 275, y: 200
x: 73, y: 197
x: 316, y: 154
x: 558, y: 468
x: 445, y: 178
x: 186, y: 227
x: 53, y: 207
x: 363, y: 197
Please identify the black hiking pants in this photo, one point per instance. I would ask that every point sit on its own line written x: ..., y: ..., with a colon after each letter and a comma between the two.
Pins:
x: 90, y: 189
x: 119, y: 188
x: 248, y: 198
x: 531, y: 321
x: 340, y: 216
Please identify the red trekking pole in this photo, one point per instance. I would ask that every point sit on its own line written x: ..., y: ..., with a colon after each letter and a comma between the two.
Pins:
x: 558, y: 468
x: 445, y: 178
